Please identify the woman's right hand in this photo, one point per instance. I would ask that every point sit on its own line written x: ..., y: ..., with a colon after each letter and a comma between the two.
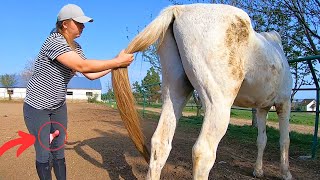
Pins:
x: 124, y: 59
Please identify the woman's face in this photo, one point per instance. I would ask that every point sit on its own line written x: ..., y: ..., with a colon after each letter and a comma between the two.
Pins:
x: 73, y: 28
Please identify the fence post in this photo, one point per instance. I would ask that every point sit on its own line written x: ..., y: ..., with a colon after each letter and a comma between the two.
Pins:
x: 316, y: 123
x: 144, y: 103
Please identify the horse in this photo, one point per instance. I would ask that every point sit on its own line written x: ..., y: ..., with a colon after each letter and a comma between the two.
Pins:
x: 213, y: 49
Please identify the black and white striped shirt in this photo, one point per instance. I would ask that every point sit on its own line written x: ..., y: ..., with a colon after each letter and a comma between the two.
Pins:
x: 47, y: 87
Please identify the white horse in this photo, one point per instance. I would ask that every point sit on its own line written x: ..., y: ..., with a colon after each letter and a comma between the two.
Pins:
x: 213, y: 49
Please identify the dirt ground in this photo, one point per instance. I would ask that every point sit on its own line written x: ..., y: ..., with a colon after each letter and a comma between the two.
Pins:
x: 98, y: 148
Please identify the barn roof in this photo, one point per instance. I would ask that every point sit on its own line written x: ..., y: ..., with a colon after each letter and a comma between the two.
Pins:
x: 76, y: 82
x: 83, y: 83
x: 305, y: 102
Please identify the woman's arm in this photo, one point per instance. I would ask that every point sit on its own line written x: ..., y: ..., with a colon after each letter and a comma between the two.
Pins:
x: 93, y: 76
x: 72, y: 60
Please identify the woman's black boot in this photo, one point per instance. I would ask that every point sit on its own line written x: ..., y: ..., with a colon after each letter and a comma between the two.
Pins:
x: 59, y: 168
x: 43, y: 170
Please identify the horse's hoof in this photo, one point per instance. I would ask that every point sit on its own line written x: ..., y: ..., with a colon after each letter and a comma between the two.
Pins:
x: 258, y: 173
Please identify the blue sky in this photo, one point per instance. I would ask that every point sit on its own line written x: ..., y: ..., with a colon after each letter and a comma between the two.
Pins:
x: 26, y: 24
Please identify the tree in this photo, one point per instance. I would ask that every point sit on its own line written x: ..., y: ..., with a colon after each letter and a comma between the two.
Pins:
x: 150, y: 55
x: 137, y: 91
x: 297, y: 22
x: 110, y: 94
x: 8, y: 81
x: 27, y: 71
x: 150, y: 85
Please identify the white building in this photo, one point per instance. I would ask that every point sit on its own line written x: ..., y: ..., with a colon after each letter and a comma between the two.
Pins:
x: 309, y: 104
x: 304, y: 104
x: 79, y: 88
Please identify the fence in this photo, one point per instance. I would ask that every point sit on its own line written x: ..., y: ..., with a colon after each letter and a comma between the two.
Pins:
x: 315, y: 79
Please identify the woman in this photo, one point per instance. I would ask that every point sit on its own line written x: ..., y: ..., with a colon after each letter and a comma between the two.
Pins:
x: 44, y: 108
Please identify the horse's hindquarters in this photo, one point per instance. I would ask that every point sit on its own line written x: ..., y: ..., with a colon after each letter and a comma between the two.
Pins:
x: 268, y: 78
x: 213, y: 48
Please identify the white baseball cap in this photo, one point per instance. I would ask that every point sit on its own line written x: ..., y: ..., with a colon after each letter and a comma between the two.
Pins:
x: 72, y: 11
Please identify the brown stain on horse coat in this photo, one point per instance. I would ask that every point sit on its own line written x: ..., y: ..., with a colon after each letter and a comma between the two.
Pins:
x: 237, y: 35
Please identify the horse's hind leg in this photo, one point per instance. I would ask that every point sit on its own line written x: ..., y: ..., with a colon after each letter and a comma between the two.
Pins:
x: 283, y: 111
x: 261, y: 140
x: 215, y: 124
x: 217, y: 81
x: 217, y: 91
x: 176, y: 90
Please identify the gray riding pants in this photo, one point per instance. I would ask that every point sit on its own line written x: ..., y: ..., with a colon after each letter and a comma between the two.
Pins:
x: 41, y: 123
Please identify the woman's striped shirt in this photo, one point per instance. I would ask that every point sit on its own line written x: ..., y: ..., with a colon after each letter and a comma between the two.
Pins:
x: 47, y: 86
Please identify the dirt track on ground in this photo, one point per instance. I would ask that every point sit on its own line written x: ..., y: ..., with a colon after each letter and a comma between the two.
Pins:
x: 99, y: 148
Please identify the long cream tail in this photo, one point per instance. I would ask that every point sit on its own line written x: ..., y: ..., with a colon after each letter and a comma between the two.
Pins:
x: 155, y: 31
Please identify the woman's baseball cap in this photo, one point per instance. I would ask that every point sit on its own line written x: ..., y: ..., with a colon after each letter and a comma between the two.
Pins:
x: 72, y: 11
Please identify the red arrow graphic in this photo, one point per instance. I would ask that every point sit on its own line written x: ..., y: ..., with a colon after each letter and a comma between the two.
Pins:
x: 26, y: 141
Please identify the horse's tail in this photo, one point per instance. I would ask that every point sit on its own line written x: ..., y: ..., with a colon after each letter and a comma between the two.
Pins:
x: 155, y: 31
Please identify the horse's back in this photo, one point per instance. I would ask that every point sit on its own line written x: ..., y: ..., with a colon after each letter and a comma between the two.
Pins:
x: 210, y: 25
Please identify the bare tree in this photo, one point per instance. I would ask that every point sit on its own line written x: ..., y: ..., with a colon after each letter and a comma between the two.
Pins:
x: 150, y: 55
x: 27, y: 71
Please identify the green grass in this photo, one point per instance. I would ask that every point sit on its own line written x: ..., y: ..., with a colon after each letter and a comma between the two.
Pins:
x: 151, y: 105
x: 191, y: 108
x: 295, y: 117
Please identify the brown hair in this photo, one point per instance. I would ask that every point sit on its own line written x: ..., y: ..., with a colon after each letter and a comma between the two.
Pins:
x: 59, y: 29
